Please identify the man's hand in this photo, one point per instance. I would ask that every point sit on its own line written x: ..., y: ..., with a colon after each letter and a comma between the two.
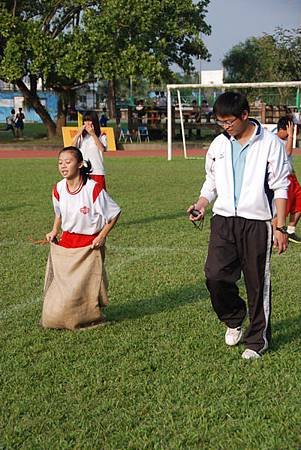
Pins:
x: 195, y: 218
x: 280, y: 241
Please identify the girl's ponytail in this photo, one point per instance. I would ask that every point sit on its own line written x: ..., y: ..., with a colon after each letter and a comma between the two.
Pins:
x: 85, y: 170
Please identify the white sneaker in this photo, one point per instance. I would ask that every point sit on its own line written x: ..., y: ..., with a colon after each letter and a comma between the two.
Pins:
x: 250, y: 354
x: 233, y: 335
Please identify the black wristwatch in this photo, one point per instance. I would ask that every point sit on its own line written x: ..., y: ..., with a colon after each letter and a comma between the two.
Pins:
x: 282, y: 230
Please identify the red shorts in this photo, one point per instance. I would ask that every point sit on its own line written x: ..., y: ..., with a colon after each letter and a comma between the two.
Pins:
x: 75, y: 240
x: 100, y: 179
x: 293, y: 196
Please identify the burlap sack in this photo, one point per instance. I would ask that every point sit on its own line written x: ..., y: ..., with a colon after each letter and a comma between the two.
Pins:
x: 75, y: 288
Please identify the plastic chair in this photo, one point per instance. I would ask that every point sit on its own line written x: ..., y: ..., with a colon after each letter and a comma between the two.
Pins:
x: 125, y: 135
x: 142, y: 134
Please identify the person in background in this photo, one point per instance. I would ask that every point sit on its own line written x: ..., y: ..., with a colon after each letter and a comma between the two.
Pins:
x: 285, y: 132
x: 88, y: 140
x: 196, y: 117
x: 246, y: 176
x: 206, y: 110
x: 104, y: 118
x: 10, y: 122
x: 196, y: 111
x: 19, y: 123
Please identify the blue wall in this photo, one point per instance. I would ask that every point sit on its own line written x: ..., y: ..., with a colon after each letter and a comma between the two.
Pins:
x: 8, y: 101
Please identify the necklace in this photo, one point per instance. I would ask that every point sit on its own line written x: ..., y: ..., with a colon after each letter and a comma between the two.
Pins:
x: 77, y: 189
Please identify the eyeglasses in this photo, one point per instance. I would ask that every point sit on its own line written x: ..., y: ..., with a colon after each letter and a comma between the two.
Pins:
x: 226, y: 123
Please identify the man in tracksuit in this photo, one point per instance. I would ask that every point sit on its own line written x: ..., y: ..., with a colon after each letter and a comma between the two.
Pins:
x: 246, y: 175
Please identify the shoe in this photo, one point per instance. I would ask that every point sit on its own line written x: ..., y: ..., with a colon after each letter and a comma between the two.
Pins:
x: 250, y: 354
x: 233, y: 335
x: 293, y: 237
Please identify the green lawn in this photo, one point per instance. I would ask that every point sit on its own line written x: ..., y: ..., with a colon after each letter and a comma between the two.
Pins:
x: 160, y: 377
x: 31, y: 130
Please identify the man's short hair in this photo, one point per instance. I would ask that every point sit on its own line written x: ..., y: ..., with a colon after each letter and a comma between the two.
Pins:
x: 283, y: 122
x: 231, y: 104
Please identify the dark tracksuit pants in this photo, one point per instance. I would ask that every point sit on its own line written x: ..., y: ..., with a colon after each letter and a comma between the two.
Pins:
x: 241, y: 245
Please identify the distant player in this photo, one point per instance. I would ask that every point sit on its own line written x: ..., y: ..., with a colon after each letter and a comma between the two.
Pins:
x: 285, y: 130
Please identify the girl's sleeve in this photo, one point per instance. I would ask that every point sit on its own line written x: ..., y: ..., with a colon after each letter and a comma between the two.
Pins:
x: 103, y: 140
x: 56, y: 201
x: 106, y: 206
x: 278, y: 169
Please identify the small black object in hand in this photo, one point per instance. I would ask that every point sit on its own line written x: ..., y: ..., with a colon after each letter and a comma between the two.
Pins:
x: 195, y: 212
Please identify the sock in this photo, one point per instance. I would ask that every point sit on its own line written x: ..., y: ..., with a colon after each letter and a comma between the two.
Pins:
x: 291, y: 229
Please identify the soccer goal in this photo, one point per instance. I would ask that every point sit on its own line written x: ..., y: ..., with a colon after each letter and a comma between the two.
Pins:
x: 174, y: 92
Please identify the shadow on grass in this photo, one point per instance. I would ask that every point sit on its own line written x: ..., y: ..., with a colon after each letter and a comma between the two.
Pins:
x: 285, y: 332
x: 161, y: 303
x: 163, y: 216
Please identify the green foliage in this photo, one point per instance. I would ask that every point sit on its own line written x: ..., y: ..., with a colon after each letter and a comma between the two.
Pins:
x: 69, y: 43
x: 160, y: 377
x: 144, y: 39
x: 273, y: 57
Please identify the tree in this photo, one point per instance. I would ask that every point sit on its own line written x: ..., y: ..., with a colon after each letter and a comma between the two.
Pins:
x: 34, y: 37
x: 268, y: 58
x: 272, y: 57
x: 134, y: 38
x: 71, y: 42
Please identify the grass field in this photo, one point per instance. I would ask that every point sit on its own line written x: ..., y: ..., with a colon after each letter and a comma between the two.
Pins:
x: 159, y: 377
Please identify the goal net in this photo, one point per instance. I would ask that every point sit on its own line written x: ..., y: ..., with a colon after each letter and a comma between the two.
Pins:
x: 175, y: 102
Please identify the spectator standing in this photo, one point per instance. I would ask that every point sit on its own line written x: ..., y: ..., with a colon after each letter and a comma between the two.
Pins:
x: 88, y: 140
x: 104, y: 118
x: 19, y: 123
x: 10, y: 122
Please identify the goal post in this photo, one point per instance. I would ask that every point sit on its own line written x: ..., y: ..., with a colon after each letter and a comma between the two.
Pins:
x: 222, y: 86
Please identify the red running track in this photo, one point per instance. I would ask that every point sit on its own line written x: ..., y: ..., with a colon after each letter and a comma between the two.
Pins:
x: 26, y: 153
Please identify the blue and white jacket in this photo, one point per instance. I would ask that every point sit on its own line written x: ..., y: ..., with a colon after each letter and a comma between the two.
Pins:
x: 265, y: 176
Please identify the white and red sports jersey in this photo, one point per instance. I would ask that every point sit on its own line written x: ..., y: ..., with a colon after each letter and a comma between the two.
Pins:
x: 90, y: 151
x: 290, y: 163
x: 86, y: 211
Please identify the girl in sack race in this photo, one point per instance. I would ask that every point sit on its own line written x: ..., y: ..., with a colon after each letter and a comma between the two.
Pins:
x: 75, y: 289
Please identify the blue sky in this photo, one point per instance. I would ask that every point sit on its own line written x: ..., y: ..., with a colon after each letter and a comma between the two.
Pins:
x: 233, y: 21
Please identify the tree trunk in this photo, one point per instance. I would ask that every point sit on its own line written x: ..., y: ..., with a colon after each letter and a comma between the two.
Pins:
x: 61, y: 116
x: 111, y: 99
x: 34, y: 101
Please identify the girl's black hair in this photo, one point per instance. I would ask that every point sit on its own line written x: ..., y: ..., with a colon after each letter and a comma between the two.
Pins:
x: 231, y: 104
x: 93, y: 117
x: 283, y: 122
x: 86, y: 168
